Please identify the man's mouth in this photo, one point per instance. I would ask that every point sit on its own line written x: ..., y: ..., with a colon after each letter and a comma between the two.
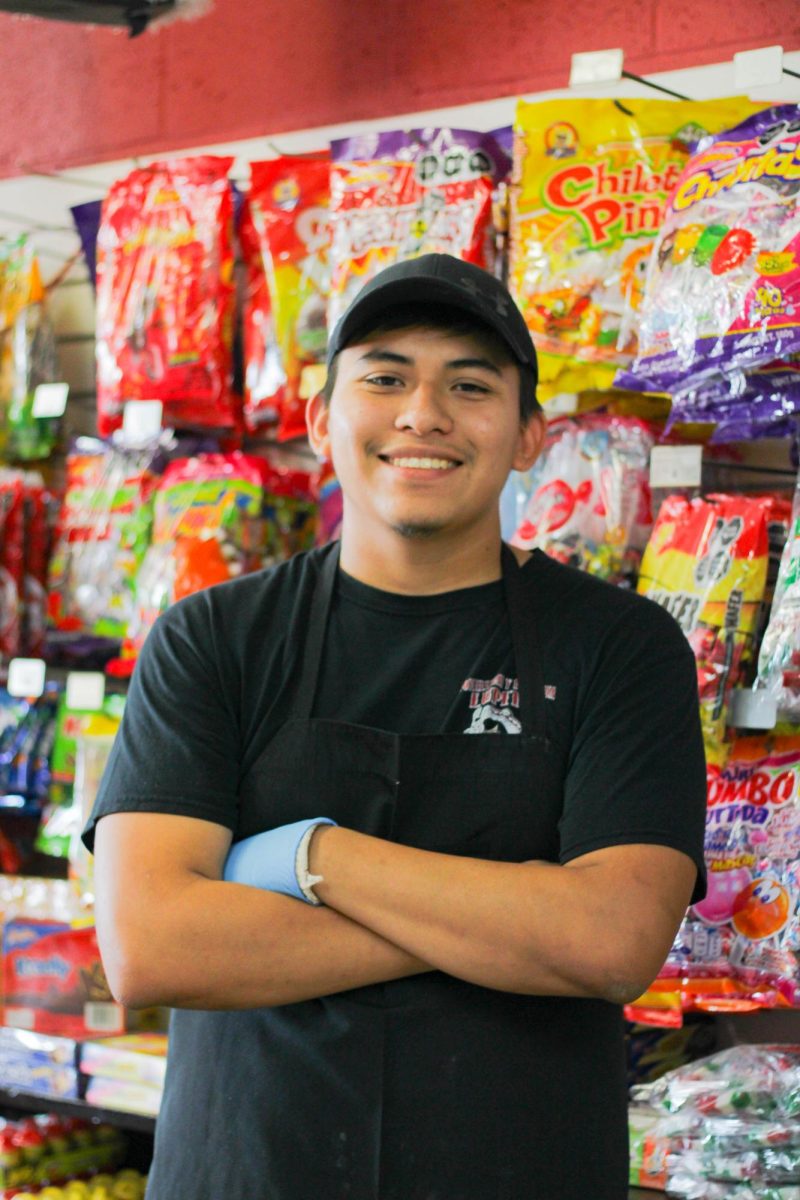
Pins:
x: 420, y: 463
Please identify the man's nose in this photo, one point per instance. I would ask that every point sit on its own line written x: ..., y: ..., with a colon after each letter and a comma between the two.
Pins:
x: 424, y: 410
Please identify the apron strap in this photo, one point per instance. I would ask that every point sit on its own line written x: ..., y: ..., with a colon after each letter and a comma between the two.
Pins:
x: 527, y: 652
x: 527, y: 655
x: 315, y: 636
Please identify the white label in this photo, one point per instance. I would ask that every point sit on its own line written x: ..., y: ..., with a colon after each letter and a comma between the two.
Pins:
x: 758, y: 68
x: 676, y: 466
x: 26, y: 677
x: 141, y: 421
x: 19, y: 1018
x: 596, y: 66
x: 103, y: 1017
x: 85, y: 690
x: 50, y: 399
x: 562, y: 404
x: 752, y: 710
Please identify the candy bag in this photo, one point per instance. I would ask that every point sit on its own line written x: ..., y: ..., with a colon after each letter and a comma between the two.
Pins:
x: 27, y: 352
x: 205, y: 530
x: 779, y: 654
x: 743, y: 405
x: 706, y: 563
x: 103, y: 532
x: 400, y: 194
x: 723, y: 283
x: 591, y: 179
x: 12, y: 562
x: 586, y: 501
x: 288, y: 204
x: 263, y: 373
x: 165, y: 294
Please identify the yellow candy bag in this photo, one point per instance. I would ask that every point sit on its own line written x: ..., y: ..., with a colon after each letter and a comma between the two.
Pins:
x: 590, y: 184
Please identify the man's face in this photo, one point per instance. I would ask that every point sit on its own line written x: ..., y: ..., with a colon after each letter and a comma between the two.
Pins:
x: 423, y: 428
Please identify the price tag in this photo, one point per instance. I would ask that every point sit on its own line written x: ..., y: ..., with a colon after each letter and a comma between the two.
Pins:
x: 86, y: 690
x: 596, y: 66
x: 26, y: 677
x: 50, y: 399
x: 752, y: 710
x: 563, y: 404
x: 141, y: 421
x: 676, y: 466
x: 758, y: 68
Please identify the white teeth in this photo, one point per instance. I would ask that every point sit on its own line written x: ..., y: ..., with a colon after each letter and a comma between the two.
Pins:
x: 426, y: 464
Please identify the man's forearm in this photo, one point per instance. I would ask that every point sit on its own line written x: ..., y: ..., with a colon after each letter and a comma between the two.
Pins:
x: 222, y: 945
x: 521, y: 927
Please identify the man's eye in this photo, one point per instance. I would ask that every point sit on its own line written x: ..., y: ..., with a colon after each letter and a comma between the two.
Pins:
x: 384, y: 380
x: 470, y: 386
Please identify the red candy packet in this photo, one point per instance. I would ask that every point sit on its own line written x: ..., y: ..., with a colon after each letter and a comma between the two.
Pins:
x: 165, y: 294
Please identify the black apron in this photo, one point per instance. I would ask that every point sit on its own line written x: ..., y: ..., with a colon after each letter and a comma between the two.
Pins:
x: 426, y: 1088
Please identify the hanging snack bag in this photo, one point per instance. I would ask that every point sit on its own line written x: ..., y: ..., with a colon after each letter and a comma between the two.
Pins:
x: 288, y: 222
x: 27, y: 352
x: 206, y: 518
x: 586, y: 502
x: 36, y: 542
x: 742, y: 405
x: 590, y: 184
x: 165, y: 294
x: 264, y: 376
x: 12, y: 562
x: 399, y: 194
x: 103, y: 532
x: 779, y: 655
x: 706, y: 563
x: 723, y: 285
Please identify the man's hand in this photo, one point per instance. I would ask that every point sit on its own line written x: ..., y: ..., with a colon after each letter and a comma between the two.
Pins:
x: 268, y: 860
x: 599, y: 926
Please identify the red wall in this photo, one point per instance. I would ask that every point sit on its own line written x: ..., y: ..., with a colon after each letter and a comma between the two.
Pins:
x: 82, y: 95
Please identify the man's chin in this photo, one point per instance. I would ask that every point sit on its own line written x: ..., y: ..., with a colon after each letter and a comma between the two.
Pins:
x: 418, y: 529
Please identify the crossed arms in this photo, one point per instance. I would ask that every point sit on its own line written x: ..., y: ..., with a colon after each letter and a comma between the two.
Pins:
x: 172, y: 933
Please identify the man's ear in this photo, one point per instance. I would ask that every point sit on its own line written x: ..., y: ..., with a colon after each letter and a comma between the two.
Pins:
x: 532, y: 435
x: 317, y: 422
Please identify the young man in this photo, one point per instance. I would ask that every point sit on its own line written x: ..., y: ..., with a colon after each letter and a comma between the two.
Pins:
x: 421, y: 1001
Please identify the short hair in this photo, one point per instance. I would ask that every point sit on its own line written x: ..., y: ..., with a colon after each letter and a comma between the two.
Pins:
x: 455, y: 322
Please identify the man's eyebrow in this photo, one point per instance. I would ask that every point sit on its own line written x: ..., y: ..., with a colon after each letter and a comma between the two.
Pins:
x: 379, y: 355
x: 484, y: 364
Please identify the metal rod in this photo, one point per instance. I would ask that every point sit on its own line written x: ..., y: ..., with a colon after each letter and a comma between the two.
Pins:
x: 656, y: 86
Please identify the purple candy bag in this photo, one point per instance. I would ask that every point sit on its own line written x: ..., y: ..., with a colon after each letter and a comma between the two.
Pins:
x: 723, y: 285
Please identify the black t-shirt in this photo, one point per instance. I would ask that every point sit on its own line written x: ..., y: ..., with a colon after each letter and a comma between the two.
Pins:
x: 213, y: 682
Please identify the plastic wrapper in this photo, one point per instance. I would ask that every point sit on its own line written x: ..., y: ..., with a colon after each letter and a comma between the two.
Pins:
x: 586, y: 501
x: 289, y: 515
x: 779, y: 654
x: 27, y: 352
x: 286, y: 233
x: 590, y: 183
x: 12, y: 562
x: 399, y: 194
x: 165, y: 294
x: 103, y: 532
x: 742, y: 405
x: 723, y: 282
x: 43, y: 1152
x: 206, y: 530
x: 329, y: 496
x: 706, y: 563
x: 749, y: 1081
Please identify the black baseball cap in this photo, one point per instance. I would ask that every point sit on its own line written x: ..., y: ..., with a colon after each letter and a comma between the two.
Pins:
x: 438, y: 279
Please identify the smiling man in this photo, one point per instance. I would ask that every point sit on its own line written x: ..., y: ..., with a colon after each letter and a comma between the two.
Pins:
x: 398, y: 955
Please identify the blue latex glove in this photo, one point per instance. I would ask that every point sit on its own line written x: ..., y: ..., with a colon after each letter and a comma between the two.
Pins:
x: 267, y: 860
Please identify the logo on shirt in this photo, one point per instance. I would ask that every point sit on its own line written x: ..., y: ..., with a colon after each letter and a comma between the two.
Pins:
x: 492, y: 703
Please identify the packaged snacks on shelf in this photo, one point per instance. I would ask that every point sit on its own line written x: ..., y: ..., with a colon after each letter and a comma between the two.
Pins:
x: 93, y: 742
x: 779, y: 654
x: 206, y: 520
x: 706, y: 563
x: 754, y: 1082
x: 590, y: 183
x: 103, y: 532
x: 138, y: 1057
x: 742, y: 405
x: 124, y: 1094
x: 12, y: 561
x: 723, y: 283
x: 286, y: 238
x: 403, y: 193
x: 165, y: 294
x: 586, y: 501
x: 54, y: 981
x: 27, y: 352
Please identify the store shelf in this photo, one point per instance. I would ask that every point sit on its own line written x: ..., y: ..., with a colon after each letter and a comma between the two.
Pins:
x: 11, y: 1098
